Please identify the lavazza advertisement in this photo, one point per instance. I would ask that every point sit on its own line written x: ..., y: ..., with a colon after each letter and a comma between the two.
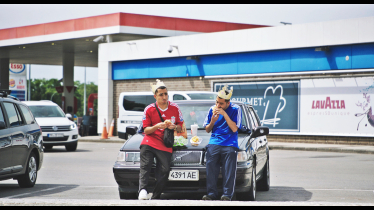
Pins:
x: 328, y: 106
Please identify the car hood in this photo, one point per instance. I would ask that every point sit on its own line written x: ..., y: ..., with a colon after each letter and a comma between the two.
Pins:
x: 52, y: 121
x: 134, y: 142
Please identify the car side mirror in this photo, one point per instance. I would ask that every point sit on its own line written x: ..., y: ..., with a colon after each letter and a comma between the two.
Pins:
x: 260, y: 131
x: 2, y: 125
x: 131, y: 130
x: 140, y: 129
x: 69, y: 116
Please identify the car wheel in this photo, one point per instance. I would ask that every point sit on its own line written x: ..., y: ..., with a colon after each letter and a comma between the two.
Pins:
x: 71, y: 147
x: 81, y: 132
x: 29, y: 178
x: 251, y: 195
x: 264, y: 183
x: 252, y: 190
x: 123, y: 195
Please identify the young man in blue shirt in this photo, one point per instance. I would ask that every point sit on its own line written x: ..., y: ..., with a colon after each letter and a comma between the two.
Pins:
x: 223, y: 120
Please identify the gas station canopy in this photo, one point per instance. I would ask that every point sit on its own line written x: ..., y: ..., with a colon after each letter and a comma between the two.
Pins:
x: 45, y: 43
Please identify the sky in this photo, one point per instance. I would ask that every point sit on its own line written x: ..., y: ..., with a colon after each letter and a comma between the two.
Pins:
x: 16, y: 15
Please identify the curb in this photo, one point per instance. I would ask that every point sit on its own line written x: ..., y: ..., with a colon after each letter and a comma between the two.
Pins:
x: 87, y: 202
x: 321, y: 149
x: 102, y: 140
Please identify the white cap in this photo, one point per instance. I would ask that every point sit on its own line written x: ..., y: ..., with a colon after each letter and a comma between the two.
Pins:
x: 157, y: 85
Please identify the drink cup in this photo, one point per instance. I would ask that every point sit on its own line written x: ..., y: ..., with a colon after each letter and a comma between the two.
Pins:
x: 194, y: 130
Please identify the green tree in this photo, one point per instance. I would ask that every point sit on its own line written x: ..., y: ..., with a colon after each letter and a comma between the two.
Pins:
x: 79, y: 94
x: 42, y: 89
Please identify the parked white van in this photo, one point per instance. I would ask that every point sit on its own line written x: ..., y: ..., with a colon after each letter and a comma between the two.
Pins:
x: 131, y: 105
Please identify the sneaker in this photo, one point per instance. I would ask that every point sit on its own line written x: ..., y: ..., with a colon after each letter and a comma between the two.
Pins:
x: 143, y: 195
x: 207, y: 198
x: 225, y: 198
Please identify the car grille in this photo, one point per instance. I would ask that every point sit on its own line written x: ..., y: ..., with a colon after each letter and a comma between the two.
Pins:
x: 55, y: 138
x: 59, y: 128
x: 184, y: 158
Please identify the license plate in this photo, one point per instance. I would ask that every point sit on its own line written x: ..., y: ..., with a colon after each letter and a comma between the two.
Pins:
x: 184, y: 175
x: 55, y: 135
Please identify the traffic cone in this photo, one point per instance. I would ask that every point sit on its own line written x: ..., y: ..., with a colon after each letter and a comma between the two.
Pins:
x: 104, y: 134
x: 111, y: 129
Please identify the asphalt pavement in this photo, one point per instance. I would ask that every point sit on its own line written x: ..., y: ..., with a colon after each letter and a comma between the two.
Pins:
x: 272, y: 145
x: 83, y: 179
x: 87, y: 202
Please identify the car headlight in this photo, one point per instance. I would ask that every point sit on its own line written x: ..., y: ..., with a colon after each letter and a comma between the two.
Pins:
x: 73, y: 126
x: 128, y: 157
x: 242, y: 156
x: 121, y: 157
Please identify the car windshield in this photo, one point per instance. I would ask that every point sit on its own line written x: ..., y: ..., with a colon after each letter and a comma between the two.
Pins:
x: 46, y: 111
x: 202, y: 96
x: 194, y: 113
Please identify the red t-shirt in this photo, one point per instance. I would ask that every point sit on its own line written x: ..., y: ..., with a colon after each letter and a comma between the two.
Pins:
x: 151, y: 118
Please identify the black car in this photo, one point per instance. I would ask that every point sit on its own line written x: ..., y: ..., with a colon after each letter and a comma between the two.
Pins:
x: 21, y: 142
x: 188, y: 170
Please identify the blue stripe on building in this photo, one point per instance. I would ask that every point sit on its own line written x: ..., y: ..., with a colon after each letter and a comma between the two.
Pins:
x: 276, y: 61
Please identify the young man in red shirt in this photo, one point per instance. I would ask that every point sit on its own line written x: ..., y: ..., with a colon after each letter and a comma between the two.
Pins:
x: 153, y: 145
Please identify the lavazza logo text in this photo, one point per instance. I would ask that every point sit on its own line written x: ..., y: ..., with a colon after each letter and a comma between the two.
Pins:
x: 328, y: 104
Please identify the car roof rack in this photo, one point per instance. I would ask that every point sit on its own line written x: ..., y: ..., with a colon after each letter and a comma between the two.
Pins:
x: 5, y: 93
x: 14, y: 98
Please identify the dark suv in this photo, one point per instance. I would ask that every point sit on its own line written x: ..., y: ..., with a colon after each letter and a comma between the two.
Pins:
x: 21, y: 142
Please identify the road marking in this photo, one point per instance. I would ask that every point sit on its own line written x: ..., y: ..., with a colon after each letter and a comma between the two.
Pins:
x: 99, y: 186
x: 298, y: 189
x: 348, y: 190
x: 340, y: 190
x: 34, y: 192
x: 49, y: 189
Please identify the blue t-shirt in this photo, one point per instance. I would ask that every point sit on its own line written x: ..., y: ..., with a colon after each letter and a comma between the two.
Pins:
x: 222, y: 134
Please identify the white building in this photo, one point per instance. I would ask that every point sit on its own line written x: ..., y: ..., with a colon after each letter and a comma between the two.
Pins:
x: 309, y: 81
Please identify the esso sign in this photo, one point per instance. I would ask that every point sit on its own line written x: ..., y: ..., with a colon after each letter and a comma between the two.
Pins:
x: 16, y: 68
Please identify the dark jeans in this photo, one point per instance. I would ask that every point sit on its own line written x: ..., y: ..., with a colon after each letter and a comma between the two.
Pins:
x: 225, y: 157
x: 147, y: 155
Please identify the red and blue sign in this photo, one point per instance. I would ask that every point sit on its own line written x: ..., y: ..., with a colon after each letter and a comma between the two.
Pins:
x: 17, y: 68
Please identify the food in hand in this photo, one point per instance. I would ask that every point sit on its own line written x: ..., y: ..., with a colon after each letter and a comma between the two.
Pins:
x: 168, y: 122
x: 214, y: 110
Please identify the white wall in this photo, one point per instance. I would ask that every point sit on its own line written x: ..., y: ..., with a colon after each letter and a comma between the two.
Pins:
x: 341, y: 32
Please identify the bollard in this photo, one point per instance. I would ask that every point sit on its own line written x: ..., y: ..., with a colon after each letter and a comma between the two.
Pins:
x: 104, y: 134
x: 111, y: 129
